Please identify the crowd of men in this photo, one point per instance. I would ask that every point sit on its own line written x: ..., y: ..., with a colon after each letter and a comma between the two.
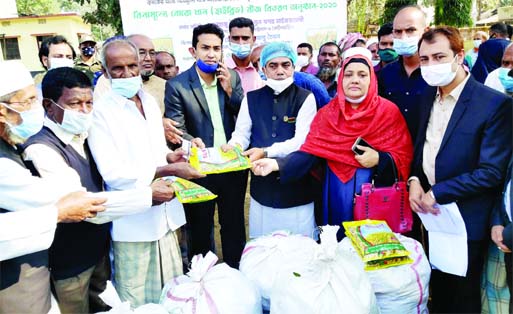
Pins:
x: 87, y: 146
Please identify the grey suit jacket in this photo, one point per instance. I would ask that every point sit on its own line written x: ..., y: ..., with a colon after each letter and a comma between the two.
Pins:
x: 186, y: 104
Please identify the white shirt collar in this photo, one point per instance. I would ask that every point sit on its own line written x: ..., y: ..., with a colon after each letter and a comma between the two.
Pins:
x: 63, y: 135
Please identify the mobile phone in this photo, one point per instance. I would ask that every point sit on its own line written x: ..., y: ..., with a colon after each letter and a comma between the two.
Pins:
x: 360, y: 141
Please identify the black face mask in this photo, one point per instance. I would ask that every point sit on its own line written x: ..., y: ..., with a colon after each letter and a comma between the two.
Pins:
x: 88, y: 51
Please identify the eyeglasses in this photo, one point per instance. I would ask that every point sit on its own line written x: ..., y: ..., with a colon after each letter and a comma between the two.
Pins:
x: 151, y: 53
x: 27, y: 103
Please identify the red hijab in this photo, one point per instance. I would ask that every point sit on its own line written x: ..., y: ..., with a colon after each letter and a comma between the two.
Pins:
x: 378, y: 121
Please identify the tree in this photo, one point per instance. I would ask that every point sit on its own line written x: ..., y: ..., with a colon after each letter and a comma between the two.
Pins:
x: 453, y: 12
x: 391, y: 8
x: 40, y: 7
x: 105, y: 13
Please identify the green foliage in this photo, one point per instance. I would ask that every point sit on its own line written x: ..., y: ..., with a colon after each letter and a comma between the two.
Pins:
x: 453, y: 12
x: 106, y: 13
x: 391, y: 8
x: 40, y: 7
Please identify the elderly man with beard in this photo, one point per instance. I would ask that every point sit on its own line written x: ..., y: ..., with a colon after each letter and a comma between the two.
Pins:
x: 329, y: 60
x: 30, y: 206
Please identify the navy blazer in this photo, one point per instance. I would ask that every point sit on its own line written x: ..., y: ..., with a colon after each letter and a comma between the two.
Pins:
x: 186, y: 104
x: 500, y: 217
x: 472, y: 160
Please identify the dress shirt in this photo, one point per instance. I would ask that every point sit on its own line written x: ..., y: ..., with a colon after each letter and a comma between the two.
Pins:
x: 492, y: 81
x: 311, y: 69
x: 405, y: 91
x: 249, y: 76
x: 212, y: 98
x: 507, y: 200
x: 128, y: 147
x: 305, y: 116
x: 50, y: 164
x: 27, y: 231
x: 438, y: 120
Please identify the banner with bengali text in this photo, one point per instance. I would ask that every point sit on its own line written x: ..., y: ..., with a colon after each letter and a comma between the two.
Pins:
x: 170, y: 22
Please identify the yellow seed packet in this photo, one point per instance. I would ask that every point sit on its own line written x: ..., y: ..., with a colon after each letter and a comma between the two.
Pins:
x: 214, y: 160
x: 188, y: 192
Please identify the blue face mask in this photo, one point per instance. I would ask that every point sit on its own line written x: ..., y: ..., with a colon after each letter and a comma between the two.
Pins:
x: 88, y: 51
x: 31, y: 122
x: 506, y: 80
x: 240, y: 51
x: 207, y: 68
x: 406, y: 47
x: 126, y: 87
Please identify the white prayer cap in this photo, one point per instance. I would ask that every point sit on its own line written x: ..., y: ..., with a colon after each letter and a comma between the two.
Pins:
x: 371, y: 41
x: 357, y: 51
x: 13, y: 77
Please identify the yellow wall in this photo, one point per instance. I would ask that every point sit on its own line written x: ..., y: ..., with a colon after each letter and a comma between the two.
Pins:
x: 26, y: 29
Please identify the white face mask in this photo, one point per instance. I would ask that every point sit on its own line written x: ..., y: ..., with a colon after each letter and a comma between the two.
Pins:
x: 301, y: 61
x: 357, y: 100
x: 55, y: 63
x: 439, y: 74
x: 375, y: 62
x: 477, y: 43
x: 75, y: 122
x: 281, y: 85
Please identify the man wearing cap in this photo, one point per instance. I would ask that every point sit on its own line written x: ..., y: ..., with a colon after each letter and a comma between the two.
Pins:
x: 274, y: 121
x: 24, y: 275
x: 87, y: 61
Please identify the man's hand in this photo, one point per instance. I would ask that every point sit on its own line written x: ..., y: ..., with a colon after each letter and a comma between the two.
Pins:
x: 198, y: 142
x: 497, y: 238
x: 265, y: 166
x: 227, y: 147
x: 161, y: 191
x: 179, y: 169
x: 369, y: 158
x: 254, y: 153
x: 224, y: 77
x: 416, y: 195
x: 176, y: 156
x: 429, y: 203
x: 172, y: 134
x: 77, y: 206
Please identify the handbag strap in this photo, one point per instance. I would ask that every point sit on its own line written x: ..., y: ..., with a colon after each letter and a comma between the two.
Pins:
x: 394, y: 169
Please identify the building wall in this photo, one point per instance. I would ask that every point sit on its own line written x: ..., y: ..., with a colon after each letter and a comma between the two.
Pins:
x: 26, y: 29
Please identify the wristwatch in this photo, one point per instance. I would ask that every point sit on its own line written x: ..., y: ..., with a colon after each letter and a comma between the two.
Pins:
x: 265, y: 152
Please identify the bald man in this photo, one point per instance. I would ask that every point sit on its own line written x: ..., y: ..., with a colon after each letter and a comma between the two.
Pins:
x: 165, y: 65
x: 401, y: 81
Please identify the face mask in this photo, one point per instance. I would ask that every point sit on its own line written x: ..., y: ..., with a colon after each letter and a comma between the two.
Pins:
x: 207, y: 68
x: 506, y: 80
x: 32, y: 122
x: 477, y: 43
x: 88, y: 51
x: 281, y: 85
x: 262, y: 75
x: 357, y: 100
x: 75, y: 122
x: 301, y: 61
x: 240, y: 51
x: 375, y: 62
x: 438, y: 74
x: 387, y: 55
x: 126, y: 87
x: 56, y: 63
x: 406, y: 47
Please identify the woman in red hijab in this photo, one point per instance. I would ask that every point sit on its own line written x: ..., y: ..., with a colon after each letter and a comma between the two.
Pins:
x: 356, y: 111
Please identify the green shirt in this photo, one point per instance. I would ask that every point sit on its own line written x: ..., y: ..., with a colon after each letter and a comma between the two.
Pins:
x: 212, y: 97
